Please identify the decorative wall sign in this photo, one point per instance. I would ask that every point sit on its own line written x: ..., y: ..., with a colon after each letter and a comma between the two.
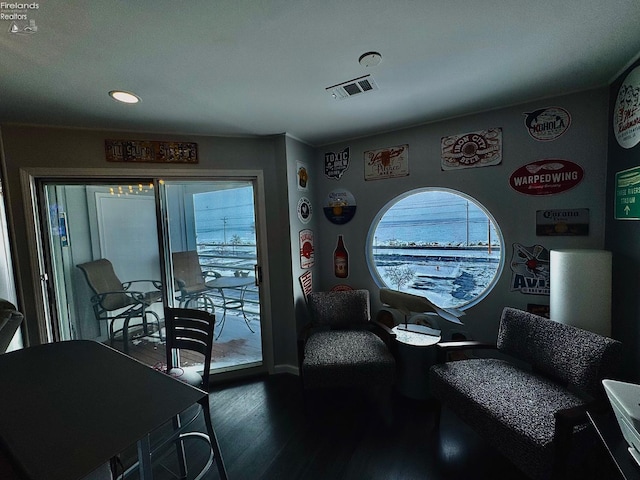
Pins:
x: 547, y: 123
x: 386, y: 163
x: 306, y: 282
x: 62, y: 229
x: 626, y: 114
x: 306, y: 249
x: 474, y: 149
x: 304, y: 210
x: 335, y: 164
x: 339, y: 206
x: 150, y: 151
x: 530, y: 268
x: 546, y: 177
x: 341, y: 259
x: 569, y: 222
x: 627, y: 203
x: 302, y: 174
x: 538, y: 309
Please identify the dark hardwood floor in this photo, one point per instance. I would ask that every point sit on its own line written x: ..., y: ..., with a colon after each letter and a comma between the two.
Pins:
x: 267, y: 431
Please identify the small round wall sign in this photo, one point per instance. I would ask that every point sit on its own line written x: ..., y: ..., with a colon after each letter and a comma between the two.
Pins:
x: 304, y: 210
x: 339, y: 206
x: 626, y: 114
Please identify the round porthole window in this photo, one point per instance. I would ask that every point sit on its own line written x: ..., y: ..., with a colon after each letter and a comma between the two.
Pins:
x: 438, y: 243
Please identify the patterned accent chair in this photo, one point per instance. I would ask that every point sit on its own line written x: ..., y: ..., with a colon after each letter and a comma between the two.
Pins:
x: 530, y: 403
x: 342, y: 346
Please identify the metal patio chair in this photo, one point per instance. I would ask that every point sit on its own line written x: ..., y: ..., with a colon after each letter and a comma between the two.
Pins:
x: 114, y: 300
x: 190, y: 281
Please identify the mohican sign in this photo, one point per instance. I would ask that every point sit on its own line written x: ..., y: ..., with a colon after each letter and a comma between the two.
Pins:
x: 546, y: 177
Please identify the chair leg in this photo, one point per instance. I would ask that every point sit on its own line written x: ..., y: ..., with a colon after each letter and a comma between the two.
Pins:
x: 157, y: 322
x: 125, y: 335
x: 111, y: 332
x: 562, y: 442
x: 182, y: 457
x: 222, y: 471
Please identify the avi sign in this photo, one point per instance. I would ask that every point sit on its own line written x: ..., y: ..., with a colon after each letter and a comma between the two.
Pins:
x: 627, y: 206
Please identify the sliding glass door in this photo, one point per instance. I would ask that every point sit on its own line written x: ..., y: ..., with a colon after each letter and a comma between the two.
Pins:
x: 213, y: 262
x: 117, y: 252
x: 89, y: 222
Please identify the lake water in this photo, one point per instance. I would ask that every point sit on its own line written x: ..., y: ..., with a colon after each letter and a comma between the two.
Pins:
x: 435, y: 217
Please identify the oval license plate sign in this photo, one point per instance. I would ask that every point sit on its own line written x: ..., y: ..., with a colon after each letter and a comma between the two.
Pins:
x: 546, y: 177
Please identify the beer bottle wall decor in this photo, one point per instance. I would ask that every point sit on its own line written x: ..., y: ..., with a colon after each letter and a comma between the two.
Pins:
x: 341, y: 259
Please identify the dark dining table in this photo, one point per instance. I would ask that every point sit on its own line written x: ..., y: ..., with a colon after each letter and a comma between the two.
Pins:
x: 69, y: 407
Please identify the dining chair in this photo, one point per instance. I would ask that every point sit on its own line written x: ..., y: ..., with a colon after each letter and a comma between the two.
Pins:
x: 192, y: 330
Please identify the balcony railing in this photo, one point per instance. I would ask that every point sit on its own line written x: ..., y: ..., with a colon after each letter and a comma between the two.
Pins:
x: 229, y: 260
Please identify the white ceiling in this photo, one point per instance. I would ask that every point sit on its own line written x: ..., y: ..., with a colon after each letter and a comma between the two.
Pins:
x: 260, y: 67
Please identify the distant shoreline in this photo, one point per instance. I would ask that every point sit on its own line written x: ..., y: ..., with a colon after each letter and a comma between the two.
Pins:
x: 435, y: 247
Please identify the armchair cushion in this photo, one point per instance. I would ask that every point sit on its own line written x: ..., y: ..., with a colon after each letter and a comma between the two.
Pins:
x: 346, y: 358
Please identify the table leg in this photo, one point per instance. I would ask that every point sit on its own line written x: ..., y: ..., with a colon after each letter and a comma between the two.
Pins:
x: 144, y: 458
x: 246, y: 320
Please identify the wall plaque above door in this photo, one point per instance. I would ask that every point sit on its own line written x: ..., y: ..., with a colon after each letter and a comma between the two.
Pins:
x: 150, y: 151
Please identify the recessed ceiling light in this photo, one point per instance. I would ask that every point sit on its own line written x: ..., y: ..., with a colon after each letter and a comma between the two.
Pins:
x: 124, y: 97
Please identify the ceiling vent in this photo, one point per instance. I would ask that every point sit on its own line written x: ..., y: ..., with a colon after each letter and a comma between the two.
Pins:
x: 353, y: 87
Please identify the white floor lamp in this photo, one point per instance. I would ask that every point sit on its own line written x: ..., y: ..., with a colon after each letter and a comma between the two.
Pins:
x: 580, y: 289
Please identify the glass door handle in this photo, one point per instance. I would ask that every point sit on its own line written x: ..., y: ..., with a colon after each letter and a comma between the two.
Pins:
x: 257, y: 272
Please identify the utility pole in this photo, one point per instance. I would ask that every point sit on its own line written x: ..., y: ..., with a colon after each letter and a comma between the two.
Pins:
x: 224, y: 229
x: 467, y: 223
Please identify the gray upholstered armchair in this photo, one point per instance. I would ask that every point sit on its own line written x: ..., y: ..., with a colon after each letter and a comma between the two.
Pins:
x: 342, y: 346
x: 531, y: 403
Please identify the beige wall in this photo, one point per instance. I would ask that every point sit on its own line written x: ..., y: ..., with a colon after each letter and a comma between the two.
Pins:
x: 584, y: 143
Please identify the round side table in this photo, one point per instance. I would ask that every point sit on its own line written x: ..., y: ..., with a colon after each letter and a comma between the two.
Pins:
x: 416, y: 353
